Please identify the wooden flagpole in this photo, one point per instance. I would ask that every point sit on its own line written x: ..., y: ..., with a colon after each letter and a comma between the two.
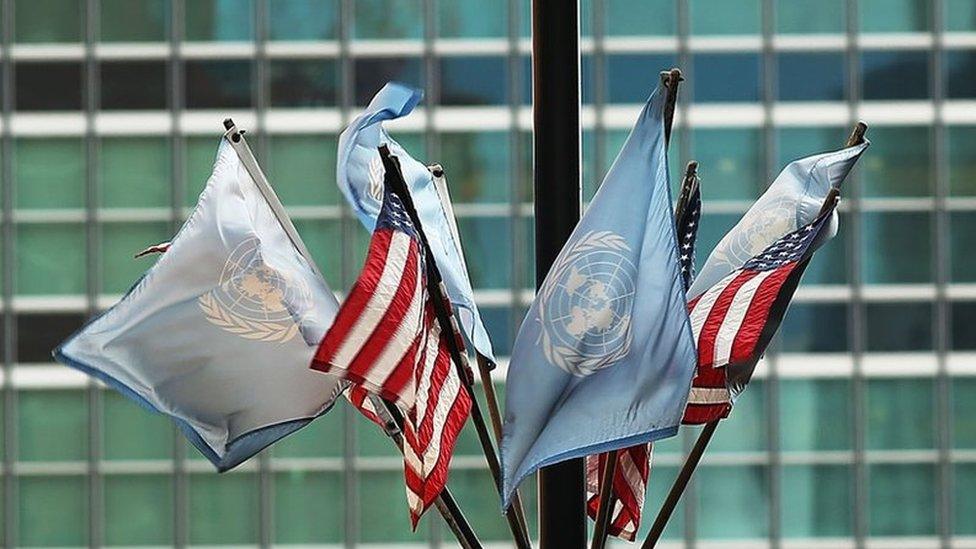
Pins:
x: 484, y: 365
x: 670, y: 80
x: 694, y: 457
x: 438, y: 296
x: 445, y: 504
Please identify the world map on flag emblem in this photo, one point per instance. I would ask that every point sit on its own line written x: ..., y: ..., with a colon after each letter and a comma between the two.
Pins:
x: 253, y: 299
x: 586, y: 305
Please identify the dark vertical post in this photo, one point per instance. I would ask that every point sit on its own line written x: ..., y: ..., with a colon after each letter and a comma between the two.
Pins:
x: 556, y: 152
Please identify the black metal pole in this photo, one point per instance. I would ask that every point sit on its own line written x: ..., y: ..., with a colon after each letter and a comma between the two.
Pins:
x: 556, y: 153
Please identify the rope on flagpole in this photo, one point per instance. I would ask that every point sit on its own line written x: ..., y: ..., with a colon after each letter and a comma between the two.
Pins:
x: 694, y: 457
x: 445, y: 503
x: 670, y: 80
x: 447, y: 321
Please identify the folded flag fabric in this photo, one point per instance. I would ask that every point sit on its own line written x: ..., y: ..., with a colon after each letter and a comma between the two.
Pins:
x: 386, y: 340
x: 604, y: 357
x: 359, y: 174
x: 734, y: 320
x: 792, y: 200
x: 634, y: 463
x: 218, y: 334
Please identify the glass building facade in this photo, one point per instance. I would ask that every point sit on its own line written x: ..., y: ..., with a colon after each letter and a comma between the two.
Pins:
x: 859, y: 431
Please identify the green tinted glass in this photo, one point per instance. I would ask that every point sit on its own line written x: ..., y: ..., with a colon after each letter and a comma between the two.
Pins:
x: 53, y: 511
x: 963, y: 412
x: 389, y: 19
x: 383, y: 515
x: 138, y: 510
x: 134, y: 172
x: 896, y: 247
x: 48, y: 20
x: 474, y: 487
x: 301, y: 168
x: 962, y: 240
x: 49, y: 172
x: 746, y: 424
x: 477, y: 166
x: 323, y: 437
x: 303, y: 19
x: 898, y: 163
x: 223, y: 509
x: 727, y: 17
x: 53, y: 426
x: 733, y: 501
x: 640, y: 17
x: 964, y: 498
x: 796, y: 143
x: 962, y: 163
x: 894, y: 15
x: 306, y: 509
x: 199, y: 154
x: 133, y: 20
x: 658, y: 484
x: 730, y: 164
x: 488, y: 250
x: 902, y: 500
x: 472, y: 19
x: 132, y: 432
x: 816, y: 501
x: 324, y: 239
x: 220, y: 20
x: 815, y: 414
x: 50, y: 259
x: 960, y: 15
x: 120, y: 243
x: 900, y: 414
x: 826, y: 16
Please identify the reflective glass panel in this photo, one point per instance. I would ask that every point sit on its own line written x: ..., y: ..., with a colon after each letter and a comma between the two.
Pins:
x: 962, y: 161
x: 48, y: 86
x: 814, y: 328
x: 48, y: 20
x: 303, y: 19
x: 137, y: 85
x: 303, y: 82
x: 727, y: 17
x: 811, y: 76
x: 388, y: 19
x: 472, y: 19
x: 301, y: 499
x: 896, y: 247
x: 49, y: 172
x: 893, y: 327
x: 894, y: 15
x: 825, y: 16
x: 883, y: 75
x: 733, y: 501
x: 218, y: 84
x: 473, y: 81
x: 901, y: 500
x: 815, y: 414
x: 134, y: 172
x: 730, y: 163
x: 898, y: 163
x: 219, y: 20
x: 726, y: 77
x: 138, y: 510
x: 372, y: 73
x: 900, y: 414
x: 960, y: 79
x: 640, y: 17
x: 816, y: 501
x: 133, y: 20
x: 479, y: 166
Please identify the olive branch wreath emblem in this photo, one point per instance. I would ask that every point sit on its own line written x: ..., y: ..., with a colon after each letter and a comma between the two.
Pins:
x: 565, y: 357
x: 258, y: 330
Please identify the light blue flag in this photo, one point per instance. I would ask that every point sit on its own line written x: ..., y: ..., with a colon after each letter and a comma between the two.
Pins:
x: 605, y: 357
x: 792, y: 201
x: 359, y: 174
x: 220, y: 332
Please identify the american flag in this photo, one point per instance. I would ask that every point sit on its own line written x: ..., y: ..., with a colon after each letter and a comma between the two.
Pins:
x: 387, y: 342
x: 733, y: 321
x: 634, y: 463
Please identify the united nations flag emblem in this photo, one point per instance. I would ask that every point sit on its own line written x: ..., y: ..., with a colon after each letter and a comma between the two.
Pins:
x: 586, y: 305
x: 254, y: 300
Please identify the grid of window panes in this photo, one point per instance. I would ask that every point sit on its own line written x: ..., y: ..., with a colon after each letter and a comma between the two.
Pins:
x: 859, y: 429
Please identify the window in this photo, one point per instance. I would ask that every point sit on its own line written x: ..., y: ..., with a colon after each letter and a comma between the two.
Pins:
x: 730, y: 17
x: 219, y: 20
x: 48, y: 86
x: 900, y: 414
x: 811, y: 76
x: 488, y: 250
x: 962, y: 242
x: 826, y: 16
x: 960, y: 15
x: 47, y: 500
x: 52, y: 426
x: 198, y: 157
x: 134, y: 172
x: 472, y: 19
x: 473, y: 81
x: 303, y: 19
x: 963, y: 410
x: 733, y: 501
x: 725, y: 77
x: 901, y: 500
x: 321, y: 438
x: 640, y: 17
x: 897, y: 247
x: 745, y: 429
x: 815, y: 328
x: 896, y: 327
x: 50, y: 258
x: 305, y: 509
x: 138, y: 509
x: 631, y: 77
x: 962, y: 163
x: 730, y: 164
x: 960, y: 82
x: 129, y: 433
x: 793, y: 143
x: 324, y: 239
x: 894, y: 15
x: 302, y: 169
x: 39, y: 333
x: 830, y: 264
x: 384, y: 517
x: 388, y: 19
x: 883, y: 74
x: 133, y: 85
x: 48, y: 20
x: 120, y: 242
x: 223, y: 508
x: 218, y: 84
x: 963, y: 315
x: 806, y: 406
x: 817, y: 501
x: 478, y: 166
x: 372, y: 73
x: 49, y: 172
x: 898, y: 163
x: 133, y: 20
x: 964, y: 502
x: 303, y: 83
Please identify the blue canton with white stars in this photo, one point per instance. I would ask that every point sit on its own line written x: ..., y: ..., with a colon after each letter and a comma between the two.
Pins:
x: 393, y: 215
x: 687, y: 228
x: 795, y: 246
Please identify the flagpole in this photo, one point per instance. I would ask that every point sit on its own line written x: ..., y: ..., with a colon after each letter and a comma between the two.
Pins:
x: 694, y: 457
x: 445, y: 504
x: 670, y: 80
x: 484, y: 365
x: 445, y: 317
